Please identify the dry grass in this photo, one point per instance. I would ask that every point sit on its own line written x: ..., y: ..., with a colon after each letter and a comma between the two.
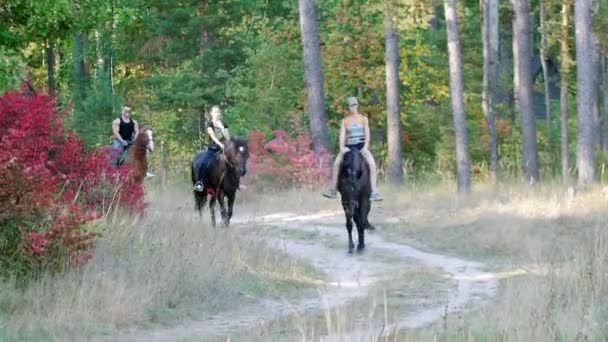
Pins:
x: 548, y: 246
x: 163, y: 269
x: 157, y: 270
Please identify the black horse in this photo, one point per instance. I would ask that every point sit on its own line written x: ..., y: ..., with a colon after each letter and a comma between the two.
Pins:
x: 223, y: 179
x: 355, y: 189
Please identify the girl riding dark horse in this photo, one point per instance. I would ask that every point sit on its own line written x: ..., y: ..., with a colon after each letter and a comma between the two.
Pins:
x: 355, y: 189
x: 221, y: 179
x: 217, y: 171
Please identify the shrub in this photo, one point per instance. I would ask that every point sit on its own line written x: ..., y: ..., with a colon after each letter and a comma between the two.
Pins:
x: 49, y: 187
x: 287, y: 161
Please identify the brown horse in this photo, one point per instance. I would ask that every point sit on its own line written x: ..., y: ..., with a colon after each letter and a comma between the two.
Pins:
x: 136, y: 154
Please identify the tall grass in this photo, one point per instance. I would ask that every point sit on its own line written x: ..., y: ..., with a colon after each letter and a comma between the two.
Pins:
x: 156, y: 270
x: 547, y: 245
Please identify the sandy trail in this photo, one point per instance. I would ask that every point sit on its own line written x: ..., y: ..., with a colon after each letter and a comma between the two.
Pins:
x: 350, y: 277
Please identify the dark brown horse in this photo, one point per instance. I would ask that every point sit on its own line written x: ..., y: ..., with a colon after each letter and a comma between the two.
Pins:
x: 223, y: 179
x: 355, y: 189
x: 136, y: 155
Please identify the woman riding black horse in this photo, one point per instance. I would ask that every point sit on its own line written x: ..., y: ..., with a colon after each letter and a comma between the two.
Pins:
x: 217, y: 171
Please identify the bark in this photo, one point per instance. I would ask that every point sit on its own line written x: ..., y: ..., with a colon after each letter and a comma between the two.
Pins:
x: 79, y: 78
x: 605, y: 112
x: 565, y: 73
x: 313, y: 75
x: 543, y: 63
x: 204, y: 32
x: 528, y: 120
x: 585, y: 159
x: 393, y: 118
x: 490, y: 40
x: 463, y: 165
x: 50, y: 63
x: 515, y: 61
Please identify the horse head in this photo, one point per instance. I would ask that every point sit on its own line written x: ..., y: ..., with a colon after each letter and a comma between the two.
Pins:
x: 237, y: 154
x: 144, y: 140
x: 352, y: 166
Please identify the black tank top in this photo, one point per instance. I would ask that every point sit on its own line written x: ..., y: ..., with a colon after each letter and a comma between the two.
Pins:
x: 126, y: 129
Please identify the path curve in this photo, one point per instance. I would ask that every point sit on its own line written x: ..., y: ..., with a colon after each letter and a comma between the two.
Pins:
x: 349, y: 278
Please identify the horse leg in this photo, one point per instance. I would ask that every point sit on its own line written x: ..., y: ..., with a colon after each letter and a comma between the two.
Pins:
x: 230, y: 206
x: 360, y: 222
x: 220, y: 199
x: 349, y: 227
x: 212, y: 209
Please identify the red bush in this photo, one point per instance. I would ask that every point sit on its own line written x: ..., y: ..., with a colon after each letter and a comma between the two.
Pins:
x: 287, y: 162
x: 49, y: 185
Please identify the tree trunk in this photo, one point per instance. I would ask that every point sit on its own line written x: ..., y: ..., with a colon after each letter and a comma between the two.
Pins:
x: 543, y: 63
x: 50, y: 63
x: 515, y: 61
x: 79, y: 78
x: 393, y: 117
x: 463, y: 165
x: 597, y: 78
x: 490, y: 40
x: 435, y: 18
x: 313, y: 75
x: 565, y: 73
x: 528, y: 120
x: 605, y: 113
x: 585, y: 160
x: 204, y: 32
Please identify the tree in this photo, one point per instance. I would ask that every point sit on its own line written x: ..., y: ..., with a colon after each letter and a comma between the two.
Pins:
x: 528, y: 122
x: 313, y: 75
x: 605, y: 113
x: 393, y: 117
x: 463, y: 165
x: 490, y: 38
x: 585, y: 160
x: 543, y: 63
x: 565, y: 61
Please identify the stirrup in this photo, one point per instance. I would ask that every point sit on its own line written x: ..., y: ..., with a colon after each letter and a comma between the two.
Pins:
x: 198, y: 186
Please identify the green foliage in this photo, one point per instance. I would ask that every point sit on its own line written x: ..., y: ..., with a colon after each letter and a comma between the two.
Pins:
x: 93, y: 123
x: 12, y: 70
x: 173, y: 61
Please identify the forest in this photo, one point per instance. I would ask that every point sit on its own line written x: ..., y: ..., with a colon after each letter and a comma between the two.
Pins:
x: 489, y: 126
x: 173, y: 61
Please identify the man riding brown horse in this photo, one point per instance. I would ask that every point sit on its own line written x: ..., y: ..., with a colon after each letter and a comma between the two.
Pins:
x: 125, y: 129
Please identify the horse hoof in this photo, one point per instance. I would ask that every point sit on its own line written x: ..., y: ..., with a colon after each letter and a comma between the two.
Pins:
x: 370, y: 227
x: 360, y: 249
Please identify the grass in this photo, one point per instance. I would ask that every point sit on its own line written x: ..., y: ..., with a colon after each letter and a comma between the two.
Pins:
x: 147, y: 272
x: 170, y: 267
x: 548, y: 245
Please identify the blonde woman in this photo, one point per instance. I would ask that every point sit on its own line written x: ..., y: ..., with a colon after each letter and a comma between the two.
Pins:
x: 217, y: 130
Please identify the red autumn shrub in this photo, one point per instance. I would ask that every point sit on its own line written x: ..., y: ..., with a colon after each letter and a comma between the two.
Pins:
x: 50, y: 186
x: 285, y: 161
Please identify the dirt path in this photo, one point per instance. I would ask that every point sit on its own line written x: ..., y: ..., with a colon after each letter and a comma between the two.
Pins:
x: 350, y: 277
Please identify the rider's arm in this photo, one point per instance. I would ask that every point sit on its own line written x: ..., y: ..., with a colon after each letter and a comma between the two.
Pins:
x: 135, y: 130
x: 116, y: 130
x: 367, y: 134
x: 213, y: 137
